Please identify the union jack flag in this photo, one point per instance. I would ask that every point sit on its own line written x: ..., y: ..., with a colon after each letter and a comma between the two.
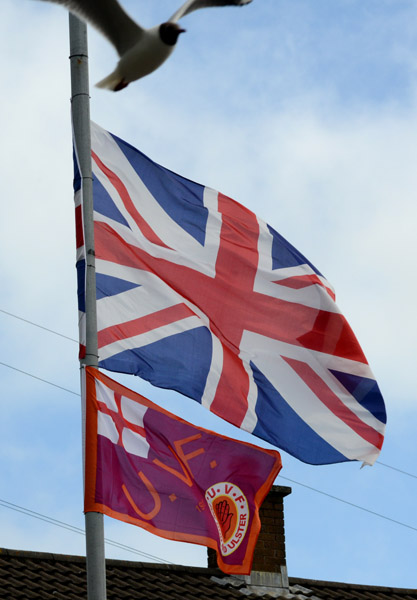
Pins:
x: 197, y: 294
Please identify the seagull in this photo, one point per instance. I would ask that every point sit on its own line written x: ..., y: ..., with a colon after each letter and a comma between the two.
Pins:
x: 141, y: 50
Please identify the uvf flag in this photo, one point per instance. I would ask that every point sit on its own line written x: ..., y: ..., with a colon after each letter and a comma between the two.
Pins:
x: 197, y: 294
x: 148, y: 467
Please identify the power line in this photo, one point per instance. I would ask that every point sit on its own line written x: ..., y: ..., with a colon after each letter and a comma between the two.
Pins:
x: 74, y: 529
x: 372, y: 512
x: 378, y: 462
x: 39, y: 326
x: 77, y: 394
x: 281, y: 477
x: 39, y: 378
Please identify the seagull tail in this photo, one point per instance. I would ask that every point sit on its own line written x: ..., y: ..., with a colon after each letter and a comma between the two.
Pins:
x: 112, y: 82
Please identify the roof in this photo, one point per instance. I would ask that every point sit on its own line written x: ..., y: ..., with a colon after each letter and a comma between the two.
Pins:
x: 43, y: 576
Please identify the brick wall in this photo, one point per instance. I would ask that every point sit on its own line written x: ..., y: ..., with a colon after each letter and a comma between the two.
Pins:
x: 270, y: 549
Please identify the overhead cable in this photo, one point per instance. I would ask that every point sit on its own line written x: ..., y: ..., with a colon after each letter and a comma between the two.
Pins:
x: 39, y: 378
x: 74, y: 529
x: 372, y: 512
x: 77, y: 394
x: 39, y: 326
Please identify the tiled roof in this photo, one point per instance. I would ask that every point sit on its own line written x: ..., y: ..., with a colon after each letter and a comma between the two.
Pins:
x: 43, y: 576
x: 329, y: 590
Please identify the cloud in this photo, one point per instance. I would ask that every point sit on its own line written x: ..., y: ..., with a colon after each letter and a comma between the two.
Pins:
x: 304, y: 112
x: 336, y: 179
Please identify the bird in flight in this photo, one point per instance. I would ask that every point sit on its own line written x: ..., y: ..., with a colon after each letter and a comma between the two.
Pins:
x: 141, y: 50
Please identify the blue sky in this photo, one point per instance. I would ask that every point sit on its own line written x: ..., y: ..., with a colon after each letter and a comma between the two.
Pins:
x: 303, y: 110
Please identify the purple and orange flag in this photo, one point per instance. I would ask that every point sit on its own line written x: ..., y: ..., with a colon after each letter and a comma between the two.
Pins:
x: 148, y: 467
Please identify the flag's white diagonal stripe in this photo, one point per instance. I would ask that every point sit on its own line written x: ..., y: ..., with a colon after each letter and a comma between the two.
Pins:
x: 179, y: 256
x: 131, y: 305
x: 308, y: 406
x: 320, y: 362
x: 215, y: 372
x: 250, y: 419
x: 314, y: 296
x: 172, y: 234
x: 149, y: 337
x: 153, y: 290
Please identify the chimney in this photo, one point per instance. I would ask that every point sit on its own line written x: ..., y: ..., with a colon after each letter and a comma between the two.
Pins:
x: 269, y: 567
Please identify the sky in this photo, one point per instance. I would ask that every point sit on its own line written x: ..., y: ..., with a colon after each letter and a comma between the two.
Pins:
x: 305, y: 111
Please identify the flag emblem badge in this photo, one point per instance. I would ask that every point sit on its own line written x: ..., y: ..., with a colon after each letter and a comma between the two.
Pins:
x: 229, y: 508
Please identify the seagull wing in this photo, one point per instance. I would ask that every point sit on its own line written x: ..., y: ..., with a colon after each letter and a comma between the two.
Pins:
x: 109, y: 18
x: 192, y: 5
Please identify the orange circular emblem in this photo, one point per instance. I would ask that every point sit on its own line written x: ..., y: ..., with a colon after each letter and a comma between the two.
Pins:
x: 229, y: 508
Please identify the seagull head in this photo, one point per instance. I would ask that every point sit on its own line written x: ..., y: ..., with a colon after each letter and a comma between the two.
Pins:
x: 169, y: 32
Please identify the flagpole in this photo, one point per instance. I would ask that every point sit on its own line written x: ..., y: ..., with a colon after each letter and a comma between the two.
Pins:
x: 80, y: 108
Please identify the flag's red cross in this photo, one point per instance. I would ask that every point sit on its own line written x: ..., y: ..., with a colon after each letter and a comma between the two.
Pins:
x: 232, y: 305
x: 118, y: 419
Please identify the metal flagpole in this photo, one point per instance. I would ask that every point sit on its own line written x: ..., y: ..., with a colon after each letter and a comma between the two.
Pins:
x: 80, y: 108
